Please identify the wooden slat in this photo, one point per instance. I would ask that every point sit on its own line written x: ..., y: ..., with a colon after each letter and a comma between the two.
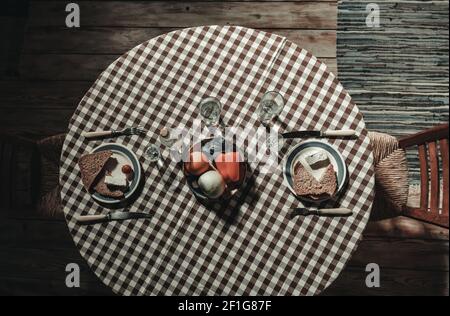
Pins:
x: 104, y: 40
x: 76, y: 67
x: 443, y: 144
x: 434, y: 177
x: 430, y: 134
x: 308, y: 15
x: 423, y: 177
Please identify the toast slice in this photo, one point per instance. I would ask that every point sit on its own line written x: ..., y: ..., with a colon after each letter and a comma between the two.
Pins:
x: 305, y: 183
x: 93, y: 172
x: 91, y: 165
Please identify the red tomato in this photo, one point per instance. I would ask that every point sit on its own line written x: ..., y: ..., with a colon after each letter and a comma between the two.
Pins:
x: 198, y: 163
x: 127, y: 169
x: 230, y: 166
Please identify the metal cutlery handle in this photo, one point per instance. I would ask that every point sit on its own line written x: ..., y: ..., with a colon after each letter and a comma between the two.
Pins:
x: 91, y: 218
x: 97, y: 134
x: 343, y: 132
x: 334, y: 211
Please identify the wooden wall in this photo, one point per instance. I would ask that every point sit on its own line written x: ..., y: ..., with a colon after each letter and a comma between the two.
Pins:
x: 398, y: 74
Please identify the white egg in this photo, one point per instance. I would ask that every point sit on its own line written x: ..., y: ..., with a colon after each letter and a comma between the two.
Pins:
x: 212, y: 184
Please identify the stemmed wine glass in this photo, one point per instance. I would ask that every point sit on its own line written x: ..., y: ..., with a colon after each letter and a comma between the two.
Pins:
x: 210, y: 109
x: 270, y: 107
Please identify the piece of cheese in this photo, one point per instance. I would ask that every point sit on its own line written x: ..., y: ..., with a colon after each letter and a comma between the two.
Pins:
x: 116, y: 182
x: 318, y: 159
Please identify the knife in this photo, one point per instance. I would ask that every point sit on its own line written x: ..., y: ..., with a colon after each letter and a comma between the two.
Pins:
x: 322, y: 212
x: 111, y: 216
x: 328, y: 133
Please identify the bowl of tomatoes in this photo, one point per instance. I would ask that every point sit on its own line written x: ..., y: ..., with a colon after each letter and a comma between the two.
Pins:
x: 214, y: 169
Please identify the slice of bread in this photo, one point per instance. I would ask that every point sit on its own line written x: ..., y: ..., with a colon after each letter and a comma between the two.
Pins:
x: 94, y: 168
x: 306, y: 185
x: 91, y: 166
x: 102, y: 188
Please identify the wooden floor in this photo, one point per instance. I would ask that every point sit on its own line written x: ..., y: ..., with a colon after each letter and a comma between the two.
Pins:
x: 46, y: 68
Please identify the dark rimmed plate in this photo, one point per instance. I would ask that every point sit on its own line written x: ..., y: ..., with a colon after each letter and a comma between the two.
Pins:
x: 335, y: 158
x: 127, y: 156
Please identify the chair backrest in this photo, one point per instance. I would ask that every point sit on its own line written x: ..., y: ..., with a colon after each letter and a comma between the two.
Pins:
x: 19, y: 172
x: 434, y: 202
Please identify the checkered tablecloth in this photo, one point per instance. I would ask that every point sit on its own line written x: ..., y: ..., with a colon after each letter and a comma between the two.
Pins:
x: 249, y: 245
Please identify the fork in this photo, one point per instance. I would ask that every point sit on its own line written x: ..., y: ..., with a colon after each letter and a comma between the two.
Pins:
x: 114, y: 133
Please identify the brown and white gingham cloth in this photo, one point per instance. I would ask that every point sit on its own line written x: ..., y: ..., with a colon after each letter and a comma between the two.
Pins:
x: 250, y: 245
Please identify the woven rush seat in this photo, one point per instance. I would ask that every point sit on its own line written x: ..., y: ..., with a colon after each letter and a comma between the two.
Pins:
x: 391, y: 176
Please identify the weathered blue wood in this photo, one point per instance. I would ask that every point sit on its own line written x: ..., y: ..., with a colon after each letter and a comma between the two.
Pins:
x: 398, y: 74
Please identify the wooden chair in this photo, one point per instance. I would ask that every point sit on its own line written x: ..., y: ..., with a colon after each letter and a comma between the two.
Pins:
x: 29, y: 172
x: 434, y: 200
x: 391, y: 175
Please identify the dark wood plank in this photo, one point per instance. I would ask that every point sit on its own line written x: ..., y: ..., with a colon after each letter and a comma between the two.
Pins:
x: 388, y: 252
x: 402, y: 254
x: 443, y: 144
x: 104, y: 40
x: 21, y: 286
x: 308, y: 15
x: 64, y: 67
x: 5, y: 179
x: 76, y: 67
x: 394, y: 282
x: 434, y: 177
x: 22, y: 241
x: 39, y: 121
x: 404, y: 227
x: 43, y: 94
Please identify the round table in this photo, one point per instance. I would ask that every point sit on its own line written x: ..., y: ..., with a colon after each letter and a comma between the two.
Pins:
x: 250, y: 245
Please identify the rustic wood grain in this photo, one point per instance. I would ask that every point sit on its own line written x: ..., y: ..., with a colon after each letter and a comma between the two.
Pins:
x: 393, y: 283
x: 397, y: 74
x: 76, y: 67
x: 424, y: 187
x: 434, y: 177
x: 106, y: 40
x: 43, y: 122
x: 404, y: 227
x: 308, y: 15
x: 43, y: 94
x: 22, y: 241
